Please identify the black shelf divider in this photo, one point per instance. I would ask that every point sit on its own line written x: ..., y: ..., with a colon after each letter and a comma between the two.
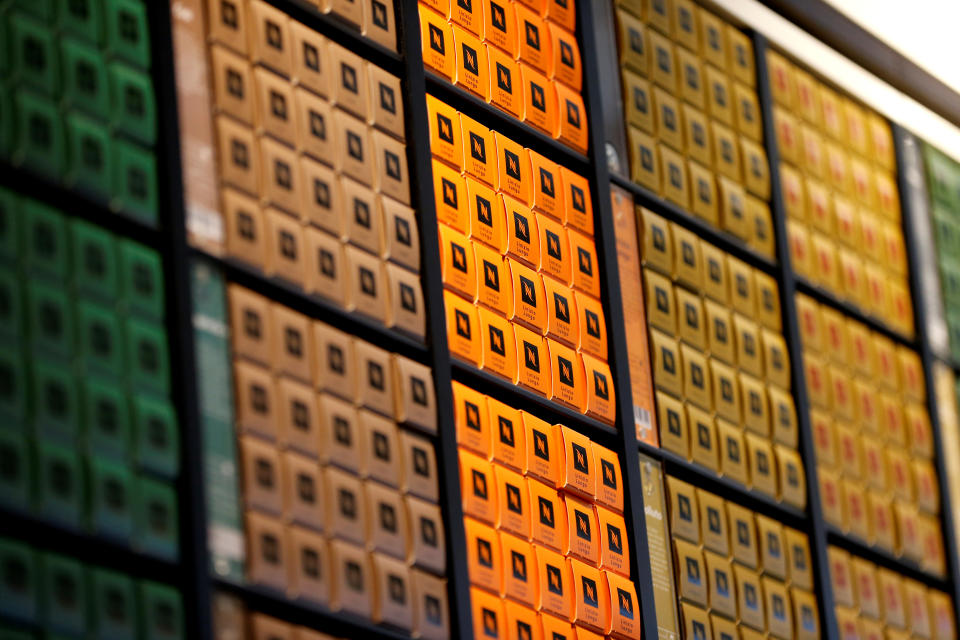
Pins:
x: 908, y: 165
x: 706, y: 231
x: 318, y: 308
x: 592, y: 30
x: 502, y: 122
x: 787, y: 282
x: 196, y: 588
x: 823, y: 296
x: 421, y: 188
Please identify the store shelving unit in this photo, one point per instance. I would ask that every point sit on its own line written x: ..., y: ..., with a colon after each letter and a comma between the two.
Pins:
x: 193, y: 574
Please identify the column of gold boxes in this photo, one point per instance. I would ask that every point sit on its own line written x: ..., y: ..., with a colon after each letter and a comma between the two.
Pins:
x: 340, y: 503
x: 522, y: 57
x: 693, y: 122
x: 739, y: 574
x: 839, y: 183
x: 374, y: 19
x: 721, y: 366
x: 872, y: 435
x: 547, y: 547
x: 873, y: 603
x: 314, y: 184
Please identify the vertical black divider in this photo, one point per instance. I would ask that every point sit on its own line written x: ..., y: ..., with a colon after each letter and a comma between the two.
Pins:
x: 817, y: 530
x: 909, y: 181
x: 197, y: 585
x: 591, y: 33
x: 421, y: 189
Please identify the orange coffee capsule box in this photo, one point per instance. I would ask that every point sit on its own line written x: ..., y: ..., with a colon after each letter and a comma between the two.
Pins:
x: 583, y: 255
x: 579, y: 468
x: 478, y: 487
x: 543, y: 449
x: 471, y: 71
x: 624, y: 609
x: 488, y: 617
x: 450, y: 197
x: 593, y: 326
x: 533, y: 39
x: 494, y: 280
x: 462, y: 328
x: 488, y: 221
x: 533, y: 361
x: 554, y: 249
x: 591, y: 604
x: 539, y: 100
x: 609, y: 478
x: 548, y: 192
x: 614, y: 549
x: 446, y: 140
x: 582, y: 530
x: 523, y: 623
x: 500, y: 25
x: 479, y: 152
x: 579, y: 207
x: 514, y: 170
x: 563, y: 316
x: 548, y: 517
x: 519, y: 569
x: 556, y: 583
x: 514, y: 502
x: 523, y: 235
x: 600, y: 394
x: 483, y: 554
x: 470, y: 416
x: 458, y: 265
x: 498, y: 344
x: 568, y: 380
x: 437, y: 38
x: 571, y: 126
x: 509, y: 436
x: 529, y: 297
x: 468, y: 15
x: 505, y: 91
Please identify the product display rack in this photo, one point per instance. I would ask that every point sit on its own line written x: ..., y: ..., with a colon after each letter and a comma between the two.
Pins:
x: 193, y: 574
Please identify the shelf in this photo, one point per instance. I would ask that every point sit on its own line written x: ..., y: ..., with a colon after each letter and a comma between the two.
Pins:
x: 706, y: 231
x: 885, y: 559
x: 90, y: 549
x: 726, y: 488
x: 338, y: 624
x: 825, y: 297
x: 27, y: 184
x: 502, y: 122
x: 343, y: 33
x: 318, y: 308
x: 520, y: 398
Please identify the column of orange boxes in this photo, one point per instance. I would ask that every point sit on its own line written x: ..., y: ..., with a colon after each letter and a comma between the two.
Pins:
x: 340, y: 503
x: 721, y: 366
x: 521, y: 57
x: 838, y: 177
x: 740, y: 574
x: 546, y: 540
x: 692, y: 114
x: 313, y: 172
x: 872, y: 436
x: 873, y: 603
x: 519, y: 264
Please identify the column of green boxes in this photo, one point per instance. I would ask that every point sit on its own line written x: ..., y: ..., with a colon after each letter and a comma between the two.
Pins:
x: 76, y: 98
x: 88, y: 433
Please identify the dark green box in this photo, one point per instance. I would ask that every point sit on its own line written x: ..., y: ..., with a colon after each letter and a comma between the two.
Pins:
x: 133, y: 104
x: 147, y: 356
x: 60, y: 486
x: 93, y: 252
x: 40, y: 140
x: 86, y: 85
x: 83, y: 18
x: 45, y: 239
x: 40, y: 9
x: 18, y: 581
x: 161, y: 612
x: 106, y: 419
x: 13, y: 389
x: 10, y: 223
x: 127, y: 33
x: 156, y: 437
x: 16, y: 470
x: 135, y: 181
x: 6, y: 106
x: 100, y: 340
x: 9, y: 633
x: 156, y: 525
x: 34, y: 53
x: 89, y: 157
x: 114, y: 609
x: 50, y: 321
x: 11, y: 305
x: 63, y: 592
x: 141, y: 279
x: 56, y: 406
x: 111, y: 499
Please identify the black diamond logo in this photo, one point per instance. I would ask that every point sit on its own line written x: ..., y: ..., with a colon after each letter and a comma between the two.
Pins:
x: 348, y: 77
x: 479, y: 484
x: 533, y: 35
x: 402, y: 231
x: 491, y: 276
x: 600, y: 385
x: 496, y: 341
x: 478, y: 148
x: 504, y: 80
x: 546, y: 512
x: 368, y: 284
x: 463, y: 324
x: 436, y: 40
x: 566, y: 371
x: 470, y: 63
x: 561, y: 308
x: 527, y: 292
x: 531, y: 355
